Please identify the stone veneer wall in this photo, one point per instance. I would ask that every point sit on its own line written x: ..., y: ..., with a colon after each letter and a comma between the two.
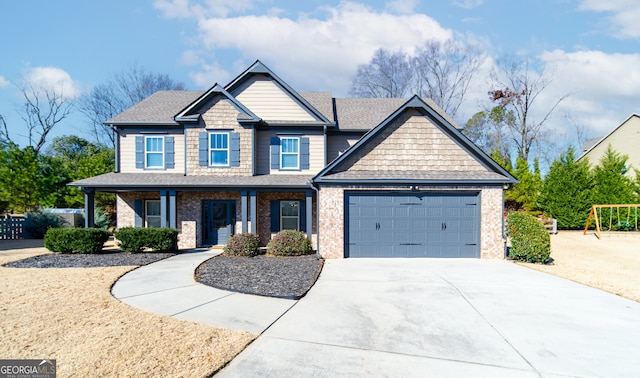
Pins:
x: 219, y: 114
x: 332, y: 219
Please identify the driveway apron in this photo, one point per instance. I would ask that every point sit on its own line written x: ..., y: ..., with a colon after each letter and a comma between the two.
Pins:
x: 447, y: 317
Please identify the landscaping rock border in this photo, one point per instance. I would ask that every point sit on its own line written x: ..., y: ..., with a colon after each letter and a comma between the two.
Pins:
x: 57, y: 260
x: 279, y: 277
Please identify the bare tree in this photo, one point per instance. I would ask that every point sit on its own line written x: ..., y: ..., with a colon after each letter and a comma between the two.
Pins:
x: 4, y: 132
x: 387, y: 75
x: 516, y: 87
x: 43, y: 109
x: 123, y: 90
x: 488, y: 128
x: 444, y: 71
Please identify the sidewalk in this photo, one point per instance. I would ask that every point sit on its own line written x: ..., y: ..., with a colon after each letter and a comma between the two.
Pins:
x: 168, y: 287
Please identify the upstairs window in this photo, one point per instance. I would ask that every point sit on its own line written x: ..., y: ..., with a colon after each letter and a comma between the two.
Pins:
x: 289, y: 153
x: 219, y: 149
x: 154, y: 152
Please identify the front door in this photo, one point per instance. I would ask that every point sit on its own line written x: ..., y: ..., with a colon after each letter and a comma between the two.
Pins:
x: 218, y: 220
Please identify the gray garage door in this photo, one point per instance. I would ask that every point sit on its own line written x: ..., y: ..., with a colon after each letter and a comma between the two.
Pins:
x: 412, y: 225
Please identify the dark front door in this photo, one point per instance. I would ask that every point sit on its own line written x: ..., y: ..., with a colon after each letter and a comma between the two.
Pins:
x: 218, y: 219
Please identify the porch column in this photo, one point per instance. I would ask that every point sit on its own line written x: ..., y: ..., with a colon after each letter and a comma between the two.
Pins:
x: 173, y: 210
x: 254, y: 212
x: 243, y: 211
x: 309, y: 212
x: 164, y: 216
x: 89, y: 208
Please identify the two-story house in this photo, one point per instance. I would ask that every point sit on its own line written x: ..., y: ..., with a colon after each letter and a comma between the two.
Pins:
x: 362, y: 177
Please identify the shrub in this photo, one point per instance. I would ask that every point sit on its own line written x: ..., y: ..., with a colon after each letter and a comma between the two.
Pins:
x: 530, y: 241
x: 37, y: 223
x: 75, y: 240
x: 289, y: 243
x: 135, y: 240
x: 242, y: 245
x: 101, y: 219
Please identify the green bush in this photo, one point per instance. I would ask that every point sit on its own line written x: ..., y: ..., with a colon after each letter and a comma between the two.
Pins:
x: 75, y: 240
x: 530, y: 241
x: 242, y: 245
x: 37, y: 223
x: 290, y: 243
x: 135, y: 240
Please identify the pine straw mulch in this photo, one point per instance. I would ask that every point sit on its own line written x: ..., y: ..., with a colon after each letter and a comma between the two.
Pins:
x: 68, y: 314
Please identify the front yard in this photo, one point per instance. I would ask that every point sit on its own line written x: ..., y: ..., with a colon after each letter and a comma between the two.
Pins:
x: 611, y: 263
x: 69, y: 315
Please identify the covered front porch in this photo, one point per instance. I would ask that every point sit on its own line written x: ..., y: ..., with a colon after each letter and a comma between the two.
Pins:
x: 209, y: 214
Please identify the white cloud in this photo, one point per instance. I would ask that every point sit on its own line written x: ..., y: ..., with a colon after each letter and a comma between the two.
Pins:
x: 402, y: 6
x: 3, y: 82
x: 53, y: 78
x: 210, y: 8
x: 604, y: 87
x: 467, y: 4
x: 319, y: 53
x: 624, y: 15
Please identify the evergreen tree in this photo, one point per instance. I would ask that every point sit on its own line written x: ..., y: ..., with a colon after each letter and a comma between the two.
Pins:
x: 525, y: 193
x: 566, y: 192
x: 612, y: 185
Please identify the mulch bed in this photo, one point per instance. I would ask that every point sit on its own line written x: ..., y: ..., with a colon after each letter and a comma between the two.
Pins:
x: 280, y: 277
x: 57, y: 260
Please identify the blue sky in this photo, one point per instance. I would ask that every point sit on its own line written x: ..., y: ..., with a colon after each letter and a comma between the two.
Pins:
x: 590, y: 47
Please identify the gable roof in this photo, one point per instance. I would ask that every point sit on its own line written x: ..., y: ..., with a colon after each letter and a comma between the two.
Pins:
x: 258, y: 68
x: 494, y: 173
x: 158, y: 109
x: 189, y: 114
x: 587, y: 148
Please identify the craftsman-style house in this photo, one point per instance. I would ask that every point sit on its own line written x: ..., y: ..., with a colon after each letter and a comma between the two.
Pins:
x: 362, y: 177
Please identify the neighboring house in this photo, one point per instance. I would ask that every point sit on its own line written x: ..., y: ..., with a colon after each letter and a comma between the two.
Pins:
x: 624, y: 139
x: 362, y: 177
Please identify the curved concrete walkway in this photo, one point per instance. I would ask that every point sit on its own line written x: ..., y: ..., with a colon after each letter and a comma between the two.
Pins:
x: 168, y: 287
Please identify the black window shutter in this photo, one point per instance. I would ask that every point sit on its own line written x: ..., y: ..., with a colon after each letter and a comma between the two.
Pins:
x: 140, y: 151
x: 275, y: 153
x: 137, y: 207
x: 234, y: 149
x: 304, y: 153
x: 303, y: 217
x: 169, y: 154
x: 275, y: 216
x: 203, y: 149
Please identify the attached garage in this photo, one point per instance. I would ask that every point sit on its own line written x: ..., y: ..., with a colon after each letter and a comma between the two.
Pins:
x: 401, y: 224
x: 413, y: 186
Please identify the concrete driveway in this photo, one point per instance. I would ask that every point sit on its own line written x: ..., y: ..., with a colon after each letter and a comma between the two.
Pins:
x: 437, y: 317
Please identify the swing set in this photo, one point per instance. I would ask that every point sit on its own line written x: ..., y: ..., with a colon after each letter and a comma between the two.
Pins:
x: 624, y: 222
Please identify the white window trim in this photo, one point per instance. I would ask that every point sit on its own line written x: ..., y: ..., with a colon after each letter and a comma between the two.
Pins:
x: 297, y: 167
x: 146, y: 153
x: 282, y: 217
x: 147, y: 216
x: 228, y: 149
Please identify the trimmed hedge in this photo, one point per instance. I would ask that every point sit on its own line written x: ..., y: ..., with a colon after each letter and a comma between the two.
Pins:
x: 75, y: 240
x: 136, y: 240
x: 530, y: 241
x: 242, y: 245
x: 290, y: 243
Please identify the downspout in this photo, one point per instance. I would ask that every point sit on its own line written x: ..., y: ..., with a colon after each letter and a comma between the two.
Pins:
x: 318, y: 255
x: 116, y: 153
x: 504, y: 235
